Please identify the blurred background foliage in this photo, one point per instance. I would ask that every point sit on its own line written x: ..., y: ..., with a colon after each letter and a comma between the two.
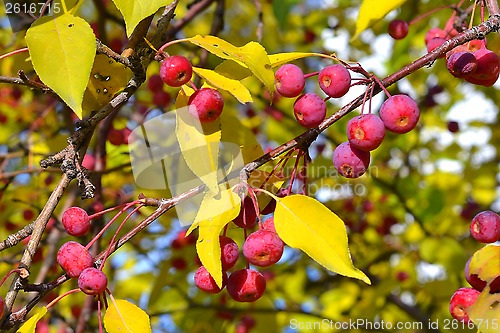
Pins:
x: 408, y: 218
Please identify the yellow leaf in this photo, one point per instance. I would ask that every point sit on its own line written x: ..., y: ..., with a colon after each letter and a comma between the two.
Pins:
x: 208, y: 245
x: 372, y: 11
x: 135, y: 11
x: 30, y: 325
x: 234, y: 87
x: 485, y: 312
x: 304, y: 223
x: 252, y: 55
x: 123, y: 316
x: 199, y: 146
x: 106, y: 79
x: 233, y: 70
x: 279, y: 59
x: 219, y: 206
x: 65, y: 65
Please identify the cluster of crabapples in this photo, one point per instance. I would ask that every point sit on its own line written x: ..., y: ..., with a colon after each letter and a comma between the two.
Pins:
x: 472, y: 61
x: 485, y: 228
x: 262, y: 248
x: 398, y: 114
x: 75, y: 258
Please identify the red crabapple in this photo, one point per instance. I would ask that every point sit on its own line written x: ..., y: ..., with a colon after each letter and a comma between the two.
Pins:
x: 161, y: 98
x: 434, y: 43
x: 269, y: 224
x: 289, y: 80
x: 453, y: 126
x: 247, y: 216
x: 73, y: 257
x: 398, y: 29
x: 88, y: 162
x: 334, y: 80
x: 246, y: 285
x: 2, y: 306
x: 350, y: 162
x: 488, y: 68
x: 204, y: 281
x: 229, y: 252
x: 176, y: 70
x: 485, y: 227
x: 263, y: 248
x: 435, y: 33
x: 309, y: 110
x: 92, y: 281
x: 460, y: 301
x: 399, y: 113
x: 461, y: 64
x: 206, y: 104
x: 76, y: 221
x: 155, y: 83
x: 366, y: 131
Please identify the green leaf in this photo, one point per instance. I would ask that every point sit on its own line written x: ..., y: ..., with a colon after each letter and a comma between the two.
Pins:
x: 485, y: 312
x: 251, y: 55
x: 135, y: 11
x: 208, y: 245
x: 199, y: 146
x: 372, y: 11
x: 30, y: 325
x: 234, y: 87
x: 123, y: 316
x: 304, y: 223
x: 65, y: 65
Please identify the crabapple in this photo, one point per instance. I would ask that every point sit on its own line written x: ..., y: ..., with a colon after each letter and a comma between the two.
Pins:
x: 366, y: 131
x: 229, y: 252
x: 398, y: 29
x: 460, y: 301
x: 399, y: 113
x: 204, y: 281
x: 76, y: 221
x: 246, y: 285
x: 334, y: 80
x: 289, y: 80
x: 92, y: 281
x: 247, y: 216
x: 349, y: 161
x: 461, y: 64
x: 263, y: 248
x: 309, y: 110
x: 176, y: 70
x: 485, y: 227
x: 206, y: 104
x: 73, y: 257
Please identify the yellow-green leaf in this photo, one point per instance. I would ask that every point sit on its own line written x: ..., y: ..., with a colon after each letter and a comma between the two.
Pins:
x: 135, y: 11
x: 233, y: 70
x: 199, y: 144
x: 485, y: 312
x: 234, y: 87
x: 107, y: 78
x: 65, y: 65
x: 251, y: 55
x: 30, y: 325
x: 485, y: 263
x: 304, y: 223
x: 234, y: 131
x: 123, y: 316
x: 372, y: 11
x: 208, y: 245
x: 279, y: 59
